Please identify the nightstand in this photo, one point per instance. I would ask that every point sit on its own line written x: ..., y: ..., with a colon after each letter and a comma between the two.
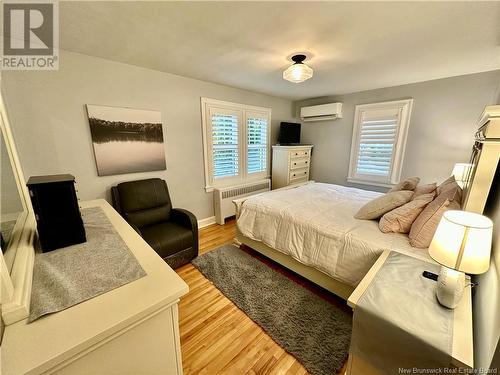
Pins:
x: 379, y: 297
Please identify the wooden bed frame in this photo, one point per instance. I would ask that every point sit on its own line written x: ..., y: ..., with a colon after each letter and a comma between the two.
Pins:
x: 320, y: 278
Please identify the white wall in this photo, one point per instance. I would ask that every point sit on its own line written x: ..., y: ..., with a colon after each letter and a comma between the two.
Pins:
x: 441, y: 130
x: 51, y: 130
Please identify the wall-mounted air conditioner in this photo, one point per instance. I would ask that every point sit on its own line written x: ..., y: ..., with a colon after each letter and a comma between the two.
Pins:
x: 331, y: 111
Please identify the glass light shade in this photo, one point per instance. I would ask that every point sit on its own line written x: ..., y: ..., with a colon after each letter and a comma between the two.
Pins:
x: 460, y: 171
x: 463, y: 242
x: 297, y: 73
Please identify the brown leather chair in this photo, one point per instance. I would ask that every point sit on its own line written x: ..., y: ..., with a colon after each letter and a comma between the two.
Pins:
x: 146, y: 205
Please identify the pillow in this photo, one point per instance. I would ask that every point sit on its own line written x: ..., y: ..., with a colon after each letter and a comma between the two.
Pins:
x: 408, y: 184
x: 379, y: 206
x: 424, y: 227
x: 448, y: 181
x: 424, y: 189
x: 451, y: 186
x: 400, y: 219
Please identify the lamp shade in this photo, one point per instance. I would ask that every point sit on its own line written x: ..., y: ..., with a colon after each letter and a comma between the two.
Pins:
x: 297, y: 73
x: 463, y: 242
x: 460, y: 172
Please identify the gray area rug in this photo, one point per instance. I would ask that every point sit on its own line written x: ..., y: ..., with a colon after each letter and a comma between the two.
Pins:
x: 65, y: 277
x: 313, y: 330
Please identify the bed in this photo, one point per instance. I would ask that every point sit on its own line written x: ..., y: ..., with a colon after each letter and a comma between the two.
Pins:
x: 311, y: 230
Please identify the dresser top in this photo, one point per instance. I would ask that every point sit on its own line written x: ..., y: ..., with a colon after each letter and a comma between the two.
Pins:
x: 462, y: 333
x: 293, y: 147
x: 53, y: 339
x: 49, y: 179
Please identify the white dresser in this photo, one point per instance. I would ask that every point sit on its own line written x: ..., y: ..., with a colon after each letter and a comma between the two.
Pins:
x: 132, y: 329
x: 291, y: 165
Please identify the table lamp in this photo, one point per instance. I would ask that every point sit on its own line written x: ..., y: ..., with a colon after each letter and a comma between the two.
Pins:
x: 462, y: 243
x: 460, y: 172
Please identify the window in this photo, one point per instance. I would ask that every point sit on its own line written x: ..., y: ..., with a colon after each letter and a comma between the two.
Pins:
x: 225, y: 144
x: 378, y: 142
x: 256, y: 144
x: 236, y: 142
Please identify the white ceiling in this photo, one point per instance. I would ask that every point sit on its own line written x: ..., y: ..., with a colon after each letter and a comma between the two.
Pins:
x: 352, y: 46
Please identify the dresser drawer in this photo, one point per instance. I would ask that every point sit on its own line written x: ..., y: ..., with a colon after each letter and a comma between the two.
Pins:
x: 299, y: 163
x: 298, y: 173
x: 298, y: 153
x: 299, y: 180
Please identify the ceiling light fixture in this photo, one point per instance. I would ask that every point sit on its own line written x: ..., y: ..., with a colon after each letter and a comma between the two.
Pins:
x: 298, y: 72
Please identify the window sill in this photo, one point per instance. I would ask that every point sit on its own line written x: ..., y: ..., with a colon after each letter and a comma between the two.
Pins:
x: 371, y: 183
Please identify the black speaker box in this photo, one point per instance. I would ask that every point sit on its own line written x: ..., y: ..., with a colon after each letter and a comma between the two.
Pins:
x: 56, y: 209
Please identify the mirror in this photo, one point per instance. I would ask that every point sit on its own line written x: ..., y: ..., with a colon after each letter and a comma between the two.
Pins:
x: 11, y: 206
x: 17, y: 227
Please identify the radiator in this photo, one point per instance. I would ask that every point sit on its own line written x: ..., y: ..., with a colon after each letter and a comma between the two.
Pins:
x: 223, y: 197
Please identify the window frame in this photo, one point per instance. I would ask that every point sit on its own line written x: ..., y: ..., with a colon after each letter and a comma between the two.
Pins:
x: 244, y: 111
x: 404, y: 109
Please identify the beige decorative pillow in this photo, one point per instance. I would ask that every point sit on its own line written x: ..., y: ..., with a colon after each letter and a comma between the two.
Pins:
x: 451, y: 187
x: 407, y: 184
x: 424, y: 227
x: 379, y: 206
x: 443, y: 185
x: 400, y: 219
x: 424, y: 189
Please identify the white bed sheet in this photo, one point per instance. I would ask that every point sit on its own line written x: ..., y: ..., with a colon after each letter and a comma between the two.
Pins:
x: 314, y: 224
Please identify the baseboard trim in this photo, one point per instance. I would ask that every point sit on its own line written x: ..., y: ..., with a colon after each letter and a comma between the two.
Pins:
x: 206, y: 222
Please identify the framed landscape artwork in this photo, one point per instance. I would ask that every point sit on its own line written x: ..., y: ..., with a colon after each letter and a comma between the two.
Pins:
x: 126, y: 140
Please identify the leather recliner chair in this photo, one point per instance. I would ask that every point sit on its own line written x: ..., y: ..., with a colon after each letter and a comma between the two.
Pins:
x: 146, y: 206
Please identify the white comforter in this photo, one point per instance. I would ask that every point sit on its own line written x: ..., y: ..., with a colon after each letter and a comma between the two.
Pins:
x: 314, y: 224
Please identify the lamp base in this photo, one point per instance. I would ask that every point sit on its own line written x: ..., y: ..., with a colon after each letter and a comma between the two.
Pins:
x: 450, y: 287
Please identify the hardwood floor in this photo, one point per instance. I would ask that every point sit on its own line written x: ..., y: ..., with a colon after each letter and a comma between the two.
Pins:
x: 216, y: 336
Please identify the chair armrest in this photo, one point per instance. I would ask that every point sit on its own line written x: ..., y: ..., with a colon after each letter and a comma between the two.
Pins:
x: 184, y: 218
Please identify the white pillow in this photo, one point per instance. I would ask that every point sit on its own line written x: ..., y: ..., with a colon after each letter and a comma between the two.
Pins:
x: 379, y: 206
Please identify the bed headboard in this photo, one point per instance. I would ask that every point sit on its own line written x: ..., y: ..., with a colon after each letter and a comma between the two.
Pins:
x: 483, y: 161
x: 486, y: 300
x: 482, y: 195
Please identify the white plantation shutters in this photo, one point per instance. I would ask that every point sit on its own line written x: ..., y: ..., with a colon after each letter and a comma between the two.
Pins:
x: 225, y: 145
x: 257, y: 150
x: 379, y: 138
x: 376, y: 144
x: 235, y: 142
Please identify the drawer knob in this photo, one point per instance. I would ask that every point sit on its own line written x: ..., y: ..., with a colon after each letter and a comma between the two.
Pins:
x: 306, y: 161
x: 305, y: 172
x: 294, y: 175
x: 294, y: 163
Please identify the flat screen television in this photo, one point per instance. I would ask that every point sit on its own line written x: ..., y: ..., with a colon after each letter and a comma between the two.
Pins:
x: 289, y: 133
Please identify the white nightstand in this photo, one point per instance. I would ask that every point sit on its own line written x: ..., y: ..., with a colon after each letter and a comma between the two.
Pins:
x: 461, y: 347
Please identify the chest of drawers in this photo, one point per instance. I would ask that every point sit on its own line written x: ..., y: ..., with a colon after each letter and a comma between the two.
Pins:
x: 290, y: 165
